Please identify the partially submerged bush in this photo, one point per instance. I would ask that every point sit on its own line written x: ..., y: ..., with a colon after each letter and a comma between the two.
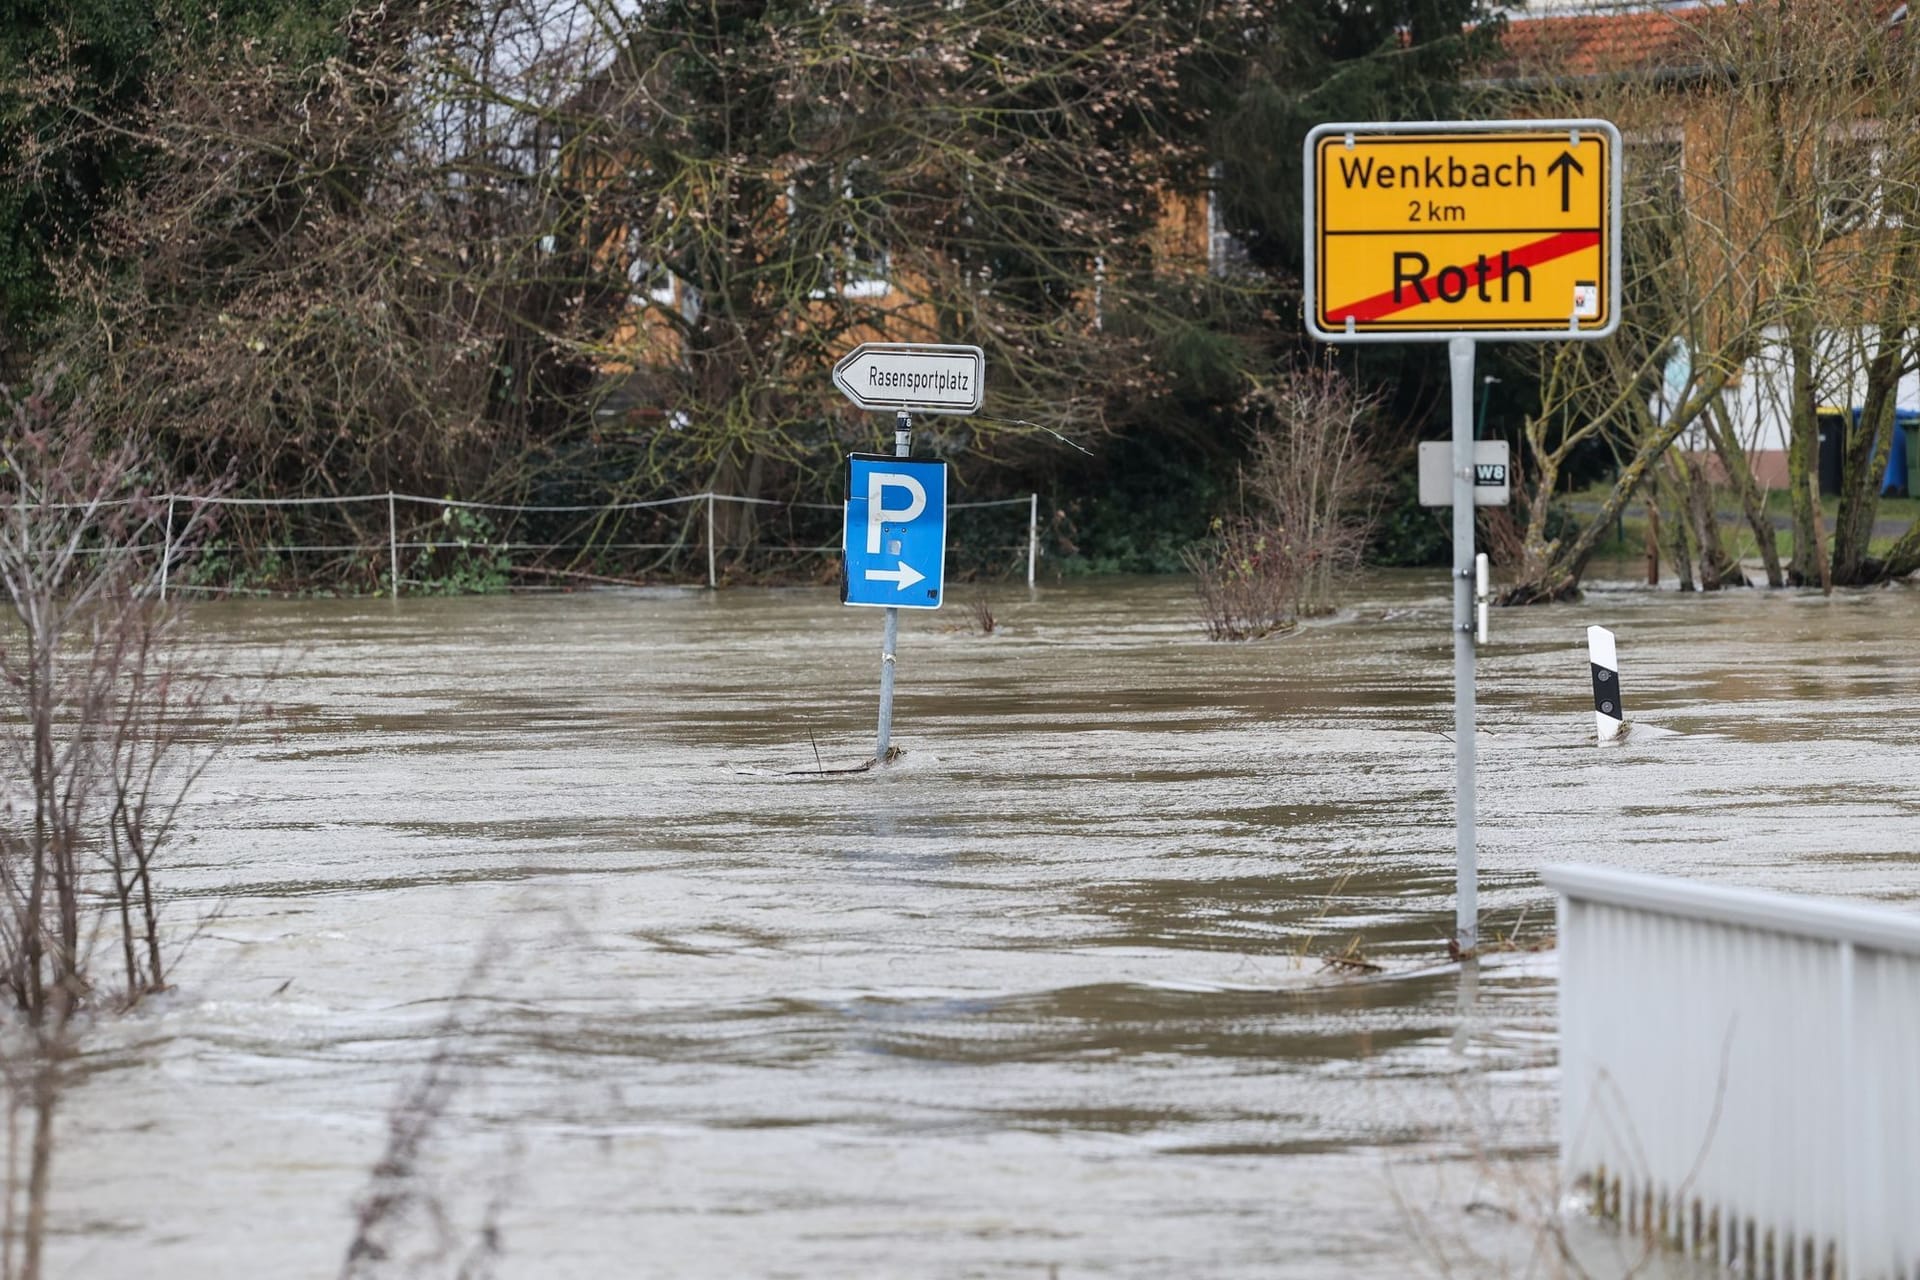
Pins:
x: 1304, y: 524
x: 1247, y: 579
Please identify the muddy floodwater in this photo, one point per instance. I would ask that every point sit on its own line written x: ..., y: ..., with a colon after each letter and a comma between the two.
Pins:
x: 1049, y: 998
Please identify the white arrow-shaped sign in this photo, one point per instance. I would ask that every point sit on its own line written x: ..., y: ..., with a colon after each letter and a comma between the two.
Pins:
x: 902, y: 578
x: 923, y: 377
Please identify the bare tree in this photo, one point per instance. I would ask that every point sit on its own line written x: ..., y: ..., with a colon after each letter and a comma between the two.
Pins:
x: 1691, y: 248
x: 612, y: 251
x: 1766, y: 158
x: 351, y: 277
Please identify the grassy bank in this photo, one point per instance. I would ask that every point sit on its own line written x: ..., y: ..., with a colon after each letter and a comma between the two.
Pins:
x: 1630, y: 535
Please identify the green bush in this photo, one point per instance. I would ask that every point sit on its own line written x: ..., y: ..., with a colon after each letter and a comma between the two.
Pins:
x: 474, y: 565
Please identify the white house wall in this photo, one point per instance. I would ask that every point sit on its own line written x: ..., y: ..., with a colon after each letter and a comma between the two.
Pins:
x: 1758, y: 402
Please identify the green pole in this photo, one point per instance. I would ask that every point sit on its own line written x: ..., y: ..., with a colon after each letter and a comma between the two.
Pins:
x: 1480, y: 424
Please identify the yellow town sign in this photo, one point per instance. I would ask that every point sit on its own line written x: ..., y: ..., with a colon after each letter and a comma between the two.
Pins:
x: 1505, y: 229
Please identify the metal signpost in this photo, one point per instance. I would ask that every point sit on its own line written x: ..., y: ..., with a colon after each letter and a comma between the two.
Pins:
x: 1452, y: 232
x: 895, y: 552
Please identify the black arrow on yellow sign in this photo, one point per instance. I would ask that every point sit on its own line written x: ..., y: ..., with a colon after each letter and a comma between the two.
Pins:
x: 1567, y: 166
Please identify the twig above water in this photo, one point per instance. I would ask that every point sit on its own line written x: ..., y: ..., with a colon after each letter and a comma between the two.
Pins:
x: 602, y: 579
x: 863, y: 767
x: 1037, y: 426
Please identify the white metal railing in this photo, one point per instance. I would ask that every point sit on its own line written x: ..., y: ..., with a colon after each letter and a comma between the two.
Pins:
x: 1740, y: 1072
x: 396, y: 544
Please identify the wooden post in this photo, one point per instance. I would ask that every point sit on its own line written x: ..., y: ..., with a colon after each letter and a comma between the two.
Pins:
x: 166, y: 551
x: 1820, y: 537
x: 1653, y: 544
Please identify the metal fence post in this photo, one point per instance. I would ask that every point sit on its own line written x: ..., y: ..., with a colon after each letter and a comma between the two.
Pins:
x: 393, y: 548
x: 1033, y: 535
x: 713, y: 580
x: 166, y: 550
x: 1853, y: 1119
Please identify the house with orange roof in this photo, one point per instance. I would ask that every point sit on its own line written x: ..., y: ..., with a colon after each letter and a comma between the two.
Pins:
x: 1675, y: 78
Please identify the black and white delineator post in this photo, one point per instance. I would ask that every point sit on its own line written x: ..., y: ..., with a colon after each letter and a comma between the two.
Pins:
x: 1482, y: 591
x: 1609, y: 713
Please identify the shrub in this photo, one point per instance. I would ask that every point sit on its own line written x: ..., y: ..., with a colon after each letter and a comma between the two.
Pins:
x: 100, y: 712
x: 1306, y: 522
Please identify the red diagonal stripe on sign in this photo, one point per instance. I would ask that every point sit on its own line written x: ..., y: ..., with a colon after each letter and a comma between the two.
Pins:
x: 1382, y: 305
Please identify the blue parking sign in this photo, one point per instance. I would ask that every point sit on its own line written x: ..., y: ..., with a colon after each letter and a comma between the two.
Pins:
x: 896, y: 532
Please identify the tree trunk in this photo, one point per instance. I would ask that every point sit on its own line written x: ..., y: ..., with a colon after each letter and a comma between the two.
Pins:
x: 46, y: 1095
x: 735, y: 524
x: 1545, y: 473
x: 1865, y: 458
x: 1653, y: 543
x: 123, y: 895
x: 1821, y: 558
x: 1903, y: 557
x: 1864, y: 461
x: 1559, y: 582
x: 150, y: 920
x: 10, y: 1219
x: 1670, y: 490
x: 31, y: 936
x: 1803, y: 451
x: 1718, y: 568
x: 1752, y: 502
x: 1563, y: 562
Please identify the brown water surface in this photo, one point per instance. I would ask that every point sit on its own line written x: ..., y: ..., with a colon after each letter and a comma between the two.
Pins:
x: 1045, y: 998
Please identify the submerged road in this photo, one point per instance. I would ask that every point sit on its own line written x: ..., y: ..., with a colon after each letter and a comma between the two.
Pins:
x: 1048, y: 998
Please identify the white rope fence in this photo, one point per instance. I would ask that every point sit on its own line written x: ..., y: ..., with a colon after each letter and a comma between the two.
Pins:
x: 396, y: 544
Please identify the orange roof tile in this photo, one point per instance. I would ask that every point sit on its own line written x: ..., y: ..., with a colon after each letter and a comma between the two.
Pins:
x: 1581, y: 45
x: 1681, y: 37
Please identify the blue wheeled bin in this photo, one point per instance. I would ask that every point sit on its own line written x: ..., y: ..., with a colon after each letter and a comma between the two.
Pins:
x: 1894, y: 483
x: 1898, y: 481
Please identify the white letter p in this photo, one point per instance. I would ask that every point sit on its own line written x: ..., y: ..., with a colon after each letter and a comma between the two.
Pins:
x: 878, y: 513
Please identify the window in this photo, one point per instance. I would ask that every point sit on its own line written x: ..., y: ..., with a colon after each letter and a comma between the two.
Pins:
x: 837, y: 221
x: 1853, y: 195
x: 649, y: 281
x: 1226, y: 252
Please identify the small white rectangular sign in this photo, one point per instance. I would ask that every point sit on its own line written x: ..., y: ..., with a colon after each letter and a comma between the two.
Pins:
x: 1492, y: 477
x: 916, y: 376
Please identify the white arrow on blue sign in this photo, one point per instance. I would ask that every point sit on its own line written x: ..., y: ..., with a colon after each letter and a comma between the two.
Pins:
x: 896, y: 532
